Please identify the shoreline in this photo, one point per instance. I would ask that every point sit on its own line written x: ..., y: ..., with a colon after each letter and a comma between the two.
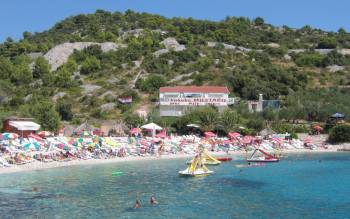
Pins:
x: 37, y: 165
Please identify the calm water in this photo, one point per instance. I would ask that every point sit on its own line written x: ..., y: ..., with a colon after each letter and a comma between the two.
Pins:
x: 301, y: 186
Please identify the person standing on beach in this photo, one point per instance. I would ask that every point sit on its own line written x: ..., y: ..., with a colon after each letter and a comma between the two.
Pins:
x: 161, y: 149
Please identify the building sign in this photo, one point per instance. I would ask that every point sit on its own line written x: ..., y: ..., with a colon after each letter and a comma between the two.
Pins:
x: 201, y: 101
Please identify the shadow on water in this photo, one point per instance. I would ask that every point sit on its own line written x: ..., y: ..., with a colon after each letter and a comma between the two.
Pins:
x: 241, y: 183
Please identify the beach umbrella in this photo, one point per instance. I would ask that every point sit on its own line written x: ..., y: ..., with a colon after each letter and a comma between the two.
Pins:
x: 45, y: 134
x: 31, y: 146
x: 234, y: 134
x: 247, y: 139
x: 209, y: 134
x: 161, y: 134
x: 63, y: 146
x: 135, y: 131
x: 278, y: 140
x: 338, y: 116
x: 8, y: 136
x: 36, y: 137
x: 152, y: 126
x: 226, y: 142
x: 193, y: 125
x: 85, y: 134
x: 318, y: 128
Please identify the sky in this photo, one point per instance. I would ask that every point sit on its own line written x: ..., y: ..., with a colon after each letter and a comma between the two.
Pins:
x: 17, y: 16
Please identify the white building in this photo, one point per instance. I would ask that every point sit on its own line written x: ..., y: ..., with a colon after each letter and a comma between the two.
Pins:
x: 261, y: 104
x: 176, y: 101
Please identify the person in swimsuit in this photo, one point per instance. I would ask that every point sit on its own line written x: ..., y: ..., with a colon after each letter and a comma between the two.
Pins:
x: 137, y: 204
x: 153, y: 200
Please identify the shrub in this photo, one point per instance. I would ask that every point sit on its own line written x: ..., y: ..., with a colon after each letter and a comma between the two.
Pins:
x: 339, y: 134
x: 151, y: 84
x: 309, y: 59
x: 90, y: 65
x: 327, y: 43
x: 64, y: 108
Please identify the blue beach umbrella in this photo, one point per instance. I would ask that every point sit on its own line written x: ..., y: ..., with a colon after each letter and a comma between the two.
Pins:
x: 338, y: 116
x: 7, y: 136
x: 32, y: 146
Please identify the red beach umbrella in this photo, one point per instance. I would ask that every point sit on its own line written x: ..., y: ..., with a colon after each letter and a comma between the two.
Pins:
x: 36, y: 137
x: 161, y: 134
x: 318, y: 128
x: 44, y: 134
x: 135, y: 131
x: 209, y: 134
x: 247, y: 139
x: 234, y: 134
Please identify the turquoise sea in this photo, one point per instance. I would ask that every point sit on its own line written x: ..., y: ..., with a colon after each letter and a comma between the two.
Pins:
x: 300, y: 186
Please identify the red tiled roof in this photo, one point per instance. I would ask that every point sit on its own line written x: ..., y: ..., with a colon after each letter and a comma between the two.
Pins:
x: 194, y: 89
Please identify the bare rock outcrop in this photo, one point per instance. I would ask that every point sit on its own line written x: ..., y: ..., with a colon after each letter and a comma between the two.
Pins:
x: 172, y: 44
x: 59, y: 54
x: 335, y: 68
x: 89, y: 88
x: 108, y: 106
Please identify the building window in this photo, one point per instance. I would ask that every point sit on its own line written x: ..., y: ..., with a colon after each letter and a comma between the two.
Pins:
x: 215, y: 95
x: 171, y: 95
x: 192, y: 95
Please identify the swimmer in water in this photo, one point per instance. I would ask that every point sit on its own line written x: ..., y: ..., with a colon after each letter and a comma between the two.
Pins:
x: 153, y: 200
x: 137, y: 204
x: 35, y: 189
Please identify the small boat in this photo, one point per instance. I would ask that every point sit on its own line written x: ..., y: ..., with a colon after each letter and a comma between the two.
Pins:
x: 223, y: 159
x: 266, y: 157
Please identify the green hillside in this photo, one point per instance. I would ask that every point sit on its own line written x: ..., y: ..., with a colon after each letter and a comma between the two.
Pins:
x: 133, y: 54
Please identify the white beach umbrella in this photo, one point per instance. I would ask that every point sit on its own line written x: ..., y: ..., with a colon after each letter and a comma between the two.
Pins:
x: 193, y: 125
x: 152, y: 126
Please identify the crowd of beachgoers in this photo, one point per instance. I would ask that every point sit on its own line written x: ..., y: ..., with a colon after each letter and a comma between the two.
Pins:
x: 17, y: 151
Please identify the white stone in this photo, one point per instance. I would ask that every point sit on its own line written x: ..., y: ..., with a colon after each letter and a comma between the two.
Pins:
x: 172, y: 44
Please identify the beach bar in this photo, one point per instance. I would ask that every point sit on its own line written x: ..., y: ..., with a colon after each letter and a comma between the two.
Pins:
x: 176, y: 101
x: 21, y: 126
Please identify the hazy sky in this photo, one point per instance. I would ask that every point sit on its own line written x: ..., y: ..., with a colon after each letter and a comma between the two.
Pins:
x: 17, y: 16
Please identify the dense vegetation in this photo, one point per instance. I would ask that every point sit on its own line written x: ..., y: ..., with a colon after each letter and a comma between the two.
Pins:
x: 340, y: 134
x: 280, y: 62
